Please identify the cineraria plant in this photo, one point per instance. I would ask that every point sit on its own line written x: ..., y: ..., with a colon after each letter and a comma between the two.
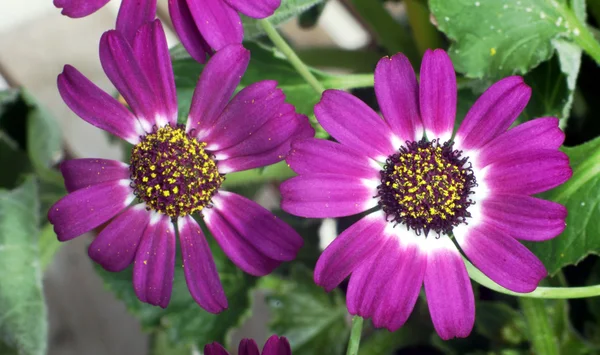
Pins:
x: 453, y: 209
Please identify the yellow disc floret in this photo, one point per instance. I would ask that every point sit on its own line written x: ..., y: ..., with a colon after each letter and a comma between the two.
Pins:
x: 172, y: 173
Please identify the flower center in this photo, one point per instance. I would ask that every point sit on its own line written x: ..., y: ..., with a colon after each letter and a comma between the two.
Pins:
x: 172, y: 173
x: 426, y: 186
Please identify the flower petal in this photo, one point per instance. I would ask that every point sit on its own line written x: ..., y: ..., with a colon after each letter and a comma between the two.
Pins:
x: 314, y: 156
x: 248, y: 347
x: 246, y: 114
x: 236, y: 246
x: 115, y: 246
x: 79, y: 8
x: 96, y: 107
x: 351, y: 122
x: 541, y: 133
x: 218, y: 81
x: 397, y: 93
x: 255, y: 8
x: 493, y: 113
x: 437, y: 95
x: 327, y: 195
x: 529, y: 172
x: 199, y: 267
x: 122, y: 68
x: 261, y: 228
x: 82, y: 173
x: 214, y: 349
x: 133, y: 14
x: 154, y: 265
x: 83, y: 210
x: 186, y: 29
x: 350, y: 249
x: 525, y: 217
x: 247, y: 155
x: 277, y: 346
x: 151, y: 50
x: 448, y: 290
x: 218, y: 22
x: 500, y: 257
x: 398, y: 291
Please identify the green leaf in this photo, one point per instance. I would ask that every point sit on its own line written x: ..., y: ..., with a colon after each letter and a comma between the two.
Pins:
x: 44, y: 140
x: 22, y: 308
x: 581, y: 196
x: 287, y: 10
x: 500, y: 323
x: 553, y: 84
x: 494, y: 39
x: 183, y: 320
x: 313, y: 321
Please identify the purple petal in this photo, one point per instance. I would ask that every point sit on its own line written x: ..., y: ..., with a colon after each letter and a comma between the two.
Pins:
x: 236, y: 246
x: 493, y: 113
x: 255, y: 8
x: 199, y: 267
x: 277, y: 346
x: 133, y: 14
x: 154, y: 265
x: 349, y: 250
x: 437, y: 95
x: 314, y: 156
x: 214, y: 349
x: 83, y: 210
x: 397, y: 92
x: 248, y: 347
x: 83, y: 173
x: 122, y: 68
x: 501, y: 257
x: 529, y: 172
x: 218, y: 81
x: 541, y: 133
x: 448, y: 290
x: 398, y: 289
x: 261, y: 228
x: 186, y: 29
x: 79, y: 8
x: 351, y: 122
x: 150, y: 48
x: 247, y: 155
x: 97, y: 107
x: 218, y: 22
x: 115, y: 246
x: 327, y: 195
x: 525, y: 217
x: 246, y: 114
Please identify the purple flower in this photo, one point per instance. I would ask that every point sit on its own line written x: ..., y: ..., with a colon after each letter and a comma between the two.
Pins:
x: 202, y: 25
x: 176, y: 170
x: 472, y: 189
x: 274, y: 346
x: 132, y: 13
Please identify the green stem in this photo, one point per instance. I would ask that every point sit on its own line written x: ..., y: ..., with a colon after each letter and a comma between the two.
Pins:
x: 355, y: 60
x: 540, y: 292
x: 276, y: 172
x: 355, y: 333
x: 541, y: 335
x: 581, y: 34
x: 425, y: 34
x: 350, y: 81
x: 293, y: 58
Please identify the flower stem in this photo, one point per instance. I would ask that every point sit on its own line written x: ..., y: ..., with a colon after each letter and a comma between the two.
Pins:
x: 425, y: 33
x: 355, y: 333
x: 541, y: 337
x: 540, y: 292
x: 581, y: 34
x: 293, y: 58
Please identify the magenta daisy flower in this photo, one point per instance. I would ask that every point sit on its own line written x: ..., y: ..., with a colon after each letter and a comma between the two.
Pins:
x: 202, y: 26
x: 274, y: 346
x: 429, y: 190
x: 176, y: 170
